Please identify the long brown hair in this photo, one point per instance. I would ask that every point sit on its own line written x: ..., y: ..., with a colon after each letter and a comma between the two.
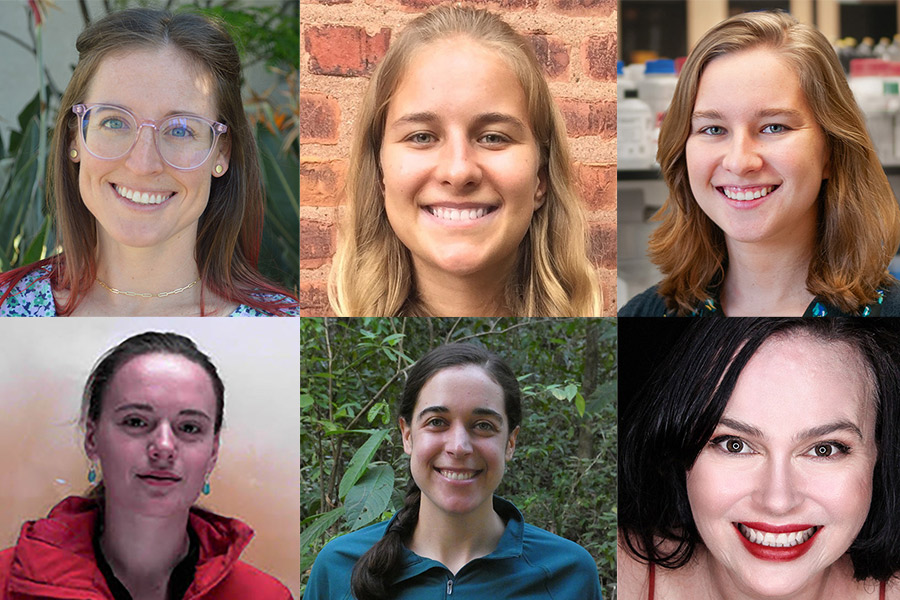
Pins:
x: 372, y: 274
x: 229, y: 232
x: 859, y: 220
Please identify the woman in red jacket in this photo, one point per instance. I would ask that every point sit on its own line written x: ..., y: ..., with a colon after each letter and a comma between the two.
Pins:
x: 152, y: 412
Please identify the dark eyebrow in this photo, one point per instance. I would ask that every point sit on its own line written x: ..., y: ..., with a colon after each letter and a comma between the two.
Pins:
x: 147, y: 408
x: 812, y: 432
x: 481, y: 411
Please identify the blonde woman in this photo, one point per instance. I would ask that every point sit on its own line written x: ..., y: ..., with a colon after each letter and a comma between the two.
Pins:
x: 461, y: 200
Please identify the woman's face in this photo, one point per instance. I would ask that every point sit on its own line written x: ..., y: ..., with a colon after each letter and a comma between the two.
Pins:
x: 756, y: 156
x: 152, y: 84
x: 461, y: 165
x: 784, y: 485
x: 458, y: 440
x: 155, y: 437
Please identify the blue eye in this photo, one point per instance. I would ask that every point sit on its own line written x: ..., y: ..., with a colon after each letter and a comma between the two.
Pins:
x: 713, y: 130
x: 113, y: 123
x: 774, y: 128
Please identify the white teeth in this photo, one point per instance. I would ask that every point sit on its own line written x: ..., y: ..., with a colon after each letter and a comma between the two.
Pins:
x: 739, y: 195
x: 453, y: 214
x: 776, y: 540
x: 458, y: 475
x: 142, y: 197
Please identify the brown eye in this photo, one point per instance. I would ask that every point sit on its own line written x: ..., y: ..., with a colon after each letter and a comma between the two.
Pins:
x: 734, y: 445
x: 824, y: 450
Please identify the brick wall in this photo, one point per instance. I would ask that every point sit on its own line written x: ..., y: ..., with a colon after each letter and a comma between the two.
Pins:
x: 343, y: 40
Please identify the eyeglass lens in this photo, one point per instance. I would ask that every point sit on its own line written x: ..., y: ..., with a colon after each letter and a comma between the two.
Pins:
x: 183, y: 141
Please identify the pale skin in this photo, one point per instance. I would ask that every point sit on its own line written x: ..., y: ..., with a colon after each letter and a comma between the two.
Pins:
x: 157, y: 419
x: 147, y: 249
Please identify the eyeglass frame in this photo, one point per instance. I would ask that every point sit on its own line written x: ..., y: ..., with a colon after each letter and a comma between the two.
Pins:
x: 218, y: 129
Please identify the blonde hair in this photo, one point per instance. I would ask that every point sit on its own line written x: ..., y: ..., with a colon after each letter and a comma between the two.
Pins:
x: 372, y: 274
x: 858, y: 229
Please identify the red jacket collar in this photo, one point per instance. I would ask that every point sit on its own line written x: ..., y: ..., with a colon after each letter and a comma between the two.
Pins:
x: 55, y: 555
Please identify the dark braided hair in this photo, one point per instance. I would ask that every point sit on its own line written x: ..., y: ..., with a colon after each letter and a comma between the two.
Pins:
x: 374, y: 572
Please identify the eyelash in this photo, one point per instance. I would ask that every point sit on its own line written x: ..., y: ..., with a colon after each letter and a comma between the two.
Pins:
x: 839, y: 448
x: 706, y: 130
x: 141, y: 423
x: 500, y: 138
x: 439, y: 422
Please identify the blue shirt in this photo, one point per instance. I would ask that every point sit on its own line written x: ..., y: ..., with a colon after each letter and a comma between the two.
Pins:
x: 528, y: 564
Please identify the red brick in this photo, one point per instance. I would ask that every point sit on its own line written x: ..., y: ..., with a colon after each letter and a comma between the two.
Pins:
x: 320, y: 116
x: 316, y: 243
x: 322, y: 181
x: 314, y: 299
x: 597, y: 184
x: 589, y: 118
x: 599, y: 54
x: 490, y: 4
x: 603, y: 245
x: 553, y: 54
x: 585, y: 8
x: 344, y: 51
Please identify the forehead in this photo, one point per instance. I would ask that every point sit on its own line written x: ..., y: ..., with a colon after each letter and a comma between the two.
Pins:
x: 742, y: 81
x: 153, y: 82
x: 461, y: 389
x: 796, y: 382
x: 458, y: 75
x: 163, y: 381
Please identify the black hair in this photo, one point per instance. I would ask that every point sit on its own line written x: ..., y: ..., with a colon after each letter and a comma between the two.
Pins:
x: 374, y: 572
x: 151, y: 342
x: 667, y: 425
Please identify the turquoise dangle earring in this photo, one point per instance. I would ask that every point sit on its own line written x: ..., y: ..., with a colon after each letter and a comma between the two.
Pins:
x: 92, y: 474
x: 206, y: 486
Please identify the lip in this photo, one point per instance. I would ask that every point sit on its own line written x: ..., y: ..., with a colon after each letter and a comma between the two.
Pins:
x: 739, y: 191
x: 142, y: 205
x: 777, y: 554
x: 159, y: 478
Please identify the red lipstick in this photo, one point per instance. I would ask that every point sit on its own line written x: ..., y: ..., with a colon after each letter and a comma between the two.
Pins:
x: 773, y: 553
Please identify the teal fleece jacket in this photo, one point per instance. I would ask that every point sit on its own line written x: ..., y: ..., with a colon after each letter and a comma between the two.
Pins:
x: 528, y: 564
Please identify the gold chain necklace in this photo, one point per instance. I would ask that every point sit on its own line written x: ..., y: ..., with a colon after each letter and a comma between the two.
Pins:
x: 159, y: 295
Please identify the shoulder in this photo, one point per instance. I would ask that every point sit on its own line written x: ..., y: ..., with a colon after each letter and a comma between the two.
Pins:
x: 569, y: 568
x: 31, y: 296
x: 646, y: 304
x: 632, y: 576
x: 290, y: 307
x: 891, y: 305
x: 246, y: 581
x: 330, y: 576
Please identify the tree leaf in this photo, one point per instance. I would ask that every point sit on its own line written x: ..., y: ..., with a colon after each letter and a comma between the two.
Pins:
x: 367, y: 499
x: 360, y: 461
x: 319, y: 524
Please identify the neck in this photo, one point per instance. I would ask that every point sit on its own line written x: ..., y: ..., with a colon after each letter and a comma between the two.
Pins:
x: 766, y: 281
x: 143, y: 551
x: 449, y: 295
x: 455, y: 540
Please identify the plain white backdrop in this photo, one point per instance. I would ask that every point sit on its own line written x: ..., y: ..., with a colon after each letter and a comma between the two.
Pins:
x: 44, y: 365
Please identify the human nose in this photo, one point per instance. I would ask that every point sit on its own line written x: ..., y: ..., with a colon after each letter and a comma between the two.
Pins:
x: 162, y: 443
x: 459, y: 444
x: 144, y: 156
x: 458, y: 164
x: 742, y: 154
x: 778, y: 487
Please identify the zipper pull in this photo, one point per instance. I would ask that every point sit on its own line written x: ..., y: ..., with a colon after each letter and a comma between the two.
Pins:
x: 449, y: 587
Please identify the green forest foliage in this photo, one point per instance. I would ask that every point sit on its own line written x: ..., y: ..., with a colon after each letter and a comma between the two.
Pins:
x: 563, y: 474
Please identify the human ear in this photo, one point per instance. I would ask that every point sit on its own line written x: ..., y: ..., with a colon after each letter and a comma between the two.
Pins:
x: 541, y: 191
x: 211, y: 463
x: 90, y: 440
x: 223, y: 157
x: 405, y: 435
x: 511, y: 443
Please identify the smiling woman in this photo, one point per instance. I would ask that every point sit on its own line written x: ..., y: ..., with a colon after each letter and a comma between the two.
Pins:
x: 778, y: 205
x: 154, y: 180
x: 762, y: 461
x: 459, y: 418
x: 461, y: 199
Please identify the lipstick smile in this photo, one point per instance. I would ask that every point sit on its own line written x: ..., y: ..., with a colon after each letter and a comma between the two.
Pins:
x: 777, y: 542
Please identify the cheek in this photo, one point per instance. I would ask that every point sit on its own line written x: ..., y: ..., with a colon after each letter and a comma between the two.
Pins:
x: 712, y: 492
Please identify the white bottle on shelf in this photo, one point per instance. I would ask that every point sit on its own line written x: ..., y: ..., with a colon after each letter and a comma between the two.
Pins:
x: 622, y: 82
x: 635, y: 149
x: 658, y: 86
x: 868, y: 81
